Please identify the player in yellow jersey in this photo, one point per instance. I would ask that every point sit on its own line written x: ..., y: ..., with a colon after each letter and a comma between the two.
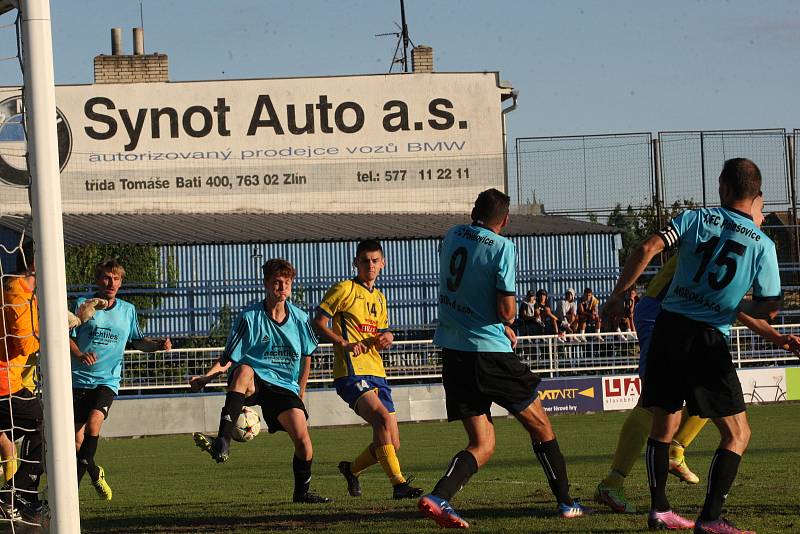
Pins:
x: 359, y: 329
x: 636, y: 428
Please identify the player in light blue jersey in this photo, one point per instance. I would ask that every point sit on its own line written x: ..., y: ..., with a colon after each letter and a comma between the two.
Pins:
x: 269, y: 350
x: 477, y: 304
x: 722, y: 256
x: 97, y: 347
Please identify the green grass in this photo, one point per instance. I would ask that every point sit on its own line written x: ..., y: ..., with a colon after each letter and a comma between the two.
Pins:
x: 166, y: 484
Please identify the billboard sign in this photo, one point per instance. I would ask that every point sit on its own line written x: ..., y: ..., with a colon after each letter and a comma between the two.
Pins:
x: 404, y: 143
x: 621, y: 392
x: 763, y: 385
x: 571, y: 395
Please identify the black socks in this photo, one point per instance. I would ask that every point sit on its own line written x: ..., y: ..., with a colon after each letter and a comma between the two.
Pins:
x: 461, y: 468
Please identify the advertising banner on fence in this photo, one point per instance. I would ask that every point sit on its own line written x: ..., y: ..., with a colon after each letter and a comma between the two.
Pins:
x: 763, y: 385
x: 404, y: 142
x: 621, y: 392
x: 571, y: 395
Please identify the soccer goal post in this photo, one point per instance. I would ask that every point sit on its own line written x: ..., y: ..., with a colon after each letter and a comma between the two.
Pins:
x: 43, y: 163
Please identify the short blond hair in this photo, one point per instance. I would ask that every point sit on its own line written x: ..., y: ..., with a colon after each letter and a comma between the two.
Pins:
x: 111, y: 265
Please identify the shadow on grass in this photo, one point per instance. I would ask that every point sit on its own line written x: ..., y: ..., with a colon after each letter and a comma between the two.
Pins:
x: 319, y: 518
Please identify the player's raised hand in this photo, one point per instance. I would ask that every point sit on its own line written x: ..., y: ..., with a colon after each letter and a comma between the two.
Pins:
x: 384, y: 340
x: 167, y: 344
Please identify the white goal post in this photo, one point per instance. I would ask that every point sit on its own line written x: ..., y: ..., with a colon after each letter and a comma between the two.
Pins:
x: 43, y: 163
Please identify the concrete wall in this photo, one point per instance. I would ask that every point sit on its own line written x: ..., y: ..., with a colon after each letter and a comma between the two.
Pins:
x: 183, y: 414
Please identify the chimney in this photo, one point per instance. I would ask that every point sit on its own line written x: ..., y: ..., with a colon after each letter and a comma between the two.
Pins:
x: 422, y: 59
x: 138, y: 41
x: 136, y: 68
x: 116, y: 41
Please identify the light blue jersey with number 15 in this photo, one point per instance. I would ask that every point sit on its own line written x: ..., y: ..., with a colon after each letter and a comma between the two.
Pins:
x: 722, y: 255
x: 475, y: 264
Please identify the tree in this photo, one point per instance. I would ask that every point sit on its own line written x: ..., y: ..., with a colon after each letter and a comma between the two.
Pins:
x: 637, y: 224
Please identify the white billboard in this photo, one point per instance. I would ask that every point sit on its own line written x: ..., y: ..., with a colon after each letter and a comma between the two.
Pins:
x: 621, y: 392
x: 405, y: 142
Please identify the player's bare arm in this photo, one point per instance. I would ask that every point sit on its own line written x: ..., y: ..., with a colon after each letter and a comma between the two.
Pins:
x: 633, y: 269
x: 196, y: 383
x: 304, y: 372
x: 506, y: 312
x: 147, y: 344
x: 87, y: 358
x: 383, y: 340
x: 761, y: 327
x: 321, y: 326
x: 760, y: 309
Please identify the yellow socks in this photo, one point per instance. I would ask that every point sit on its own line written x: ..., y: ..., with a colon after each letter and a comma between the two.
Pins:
x: 631, y: 441
x: 691, y: 425
x: 391, y: 465
x: 364, y: 460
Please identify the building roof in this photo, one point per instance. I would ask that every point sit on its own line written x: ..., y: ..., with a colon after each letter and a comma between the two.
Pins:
x: 207, y: 228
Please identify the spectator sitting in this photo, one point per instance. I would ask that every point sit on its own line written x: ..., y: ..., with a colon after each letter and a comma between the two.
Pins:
x: 588, y: 313
x: 527, y: 317
x: 547, y: 321
x: 567, y: 313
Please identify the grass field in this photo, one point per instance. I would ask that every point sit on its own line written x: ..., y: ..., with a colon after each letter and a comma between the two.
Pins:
x: 166, y: 484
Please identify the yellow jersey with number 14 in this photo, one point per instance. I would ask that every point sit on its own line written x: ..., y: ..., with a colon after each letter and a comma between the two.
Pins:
x: 357, y: 314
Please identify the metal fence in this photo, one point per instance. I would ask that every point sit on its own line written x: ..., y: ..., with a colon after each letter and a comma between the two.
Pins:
x: 581, y: 175
x: 585, y: 174
x: 609, y: 353
x: 691, y: 162
x: 588, y: 176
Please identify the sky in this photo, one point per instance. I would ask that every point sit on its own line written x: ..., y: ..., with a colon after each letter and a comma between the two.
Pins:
x: 581, y: 67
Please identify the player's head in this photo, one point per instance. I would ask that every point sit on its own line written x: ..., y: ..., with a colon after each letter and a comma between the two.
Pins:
x: 278, y: 277
x: 758, y: 211
x: 369, y: 260
x: 108, y: 275
x: 491, y: 208
x: 740, y: 180
x: 25, y: 263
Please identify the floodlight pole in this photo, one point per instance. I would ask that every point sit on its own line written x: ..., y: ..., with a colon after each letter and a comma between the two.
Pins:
x: 40, y: 113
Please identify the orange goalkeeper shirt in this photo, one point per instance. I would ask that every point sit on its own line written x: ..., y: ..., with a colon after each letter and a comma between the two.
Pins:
x: 19, y: 335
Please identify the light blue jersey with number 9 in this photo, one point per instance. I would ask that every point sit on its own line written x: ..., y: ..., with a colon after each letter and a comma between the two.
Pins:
x: 475, y: 264
x: 722, y: 255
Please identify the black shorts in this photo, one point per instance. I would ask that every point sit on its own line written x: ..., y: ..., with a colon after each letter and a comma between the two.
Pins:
x: 23, y: 411
x: 86, y: 400
x: 274, y: 401
x: 474, y: 380
x: 690, y: 361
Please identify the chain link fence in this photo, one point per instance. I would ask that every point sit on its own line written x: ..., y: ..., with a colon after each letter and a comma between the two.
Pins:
x: 585, y: 174
x: 587, y: 177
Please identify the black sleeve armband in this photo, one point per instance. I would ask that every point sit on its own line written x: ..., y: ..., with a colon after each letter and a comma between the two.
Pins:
x: 670, y: 236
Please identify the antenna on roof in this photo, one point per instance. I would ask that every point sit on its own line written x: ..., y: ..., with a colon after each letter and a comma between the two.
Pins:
x: 402, y: 38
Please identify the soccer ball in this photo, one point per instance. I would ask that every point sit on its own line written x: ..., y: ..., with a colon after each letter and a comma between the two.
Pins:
x: 248, y: 425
